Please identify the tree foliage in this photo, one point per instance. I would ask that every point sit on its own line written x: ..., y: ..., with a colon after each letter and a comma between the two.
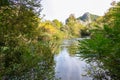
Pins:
x: 73, y: 26
x: 104, y: 46
x: 20, y: 50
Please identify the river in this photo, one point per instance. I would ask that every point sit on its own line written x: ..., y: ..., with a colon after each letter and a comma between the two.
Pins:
x: 70, y: 67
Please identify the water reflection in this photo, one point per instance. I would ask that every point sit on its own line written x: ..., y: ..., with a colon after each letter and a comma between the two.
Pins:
x: 69, y: 67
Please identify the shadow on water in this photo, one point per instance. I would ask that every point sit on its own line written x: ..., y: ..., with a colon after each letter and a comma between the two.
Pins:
x: 68, y: 65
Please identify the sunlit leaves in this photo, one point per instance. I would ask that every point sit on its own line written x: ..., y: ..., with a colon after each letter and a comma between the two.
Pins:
x: 50, y: 31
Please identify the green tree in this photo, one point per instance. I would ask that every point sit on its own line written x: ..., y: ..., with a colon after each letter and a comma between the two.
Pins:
x: 104, y: 46
x: 57, y: 23
x: 20, y: 50
x: 73, y: 26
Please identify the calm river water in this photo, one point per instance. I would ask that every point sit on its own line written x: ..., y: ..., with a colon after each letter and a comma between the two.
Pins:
x: 69, y: 67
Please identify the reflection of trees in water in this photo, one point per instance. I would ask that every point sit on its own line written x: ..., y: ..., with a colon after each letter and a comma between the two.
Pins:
x: 55, y: 46
x: 96, y: 71
x: 72, y: 48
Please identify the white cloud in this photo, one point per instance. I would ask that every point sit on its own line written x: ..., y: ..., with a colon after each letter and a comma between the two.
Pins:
x: 61, y: 9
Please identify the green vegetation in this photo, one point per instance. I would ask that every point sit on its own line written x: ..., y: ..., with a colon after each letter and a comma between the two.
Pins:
x: 26, y: 43
x: 73, y: 26
x: 103, y: 48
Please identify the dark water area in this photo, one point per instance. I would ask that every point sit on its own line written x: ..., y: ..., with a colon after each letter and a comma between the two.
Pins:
x: 69, y: 67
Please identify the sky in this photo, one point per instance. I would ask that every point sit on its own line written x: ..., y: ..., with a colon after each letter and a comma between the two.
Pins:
x: 61, y: 9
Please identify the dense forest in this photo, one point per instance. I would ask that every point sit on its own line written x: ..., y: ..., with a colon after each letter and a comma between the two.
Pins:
x: 28, y: 43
